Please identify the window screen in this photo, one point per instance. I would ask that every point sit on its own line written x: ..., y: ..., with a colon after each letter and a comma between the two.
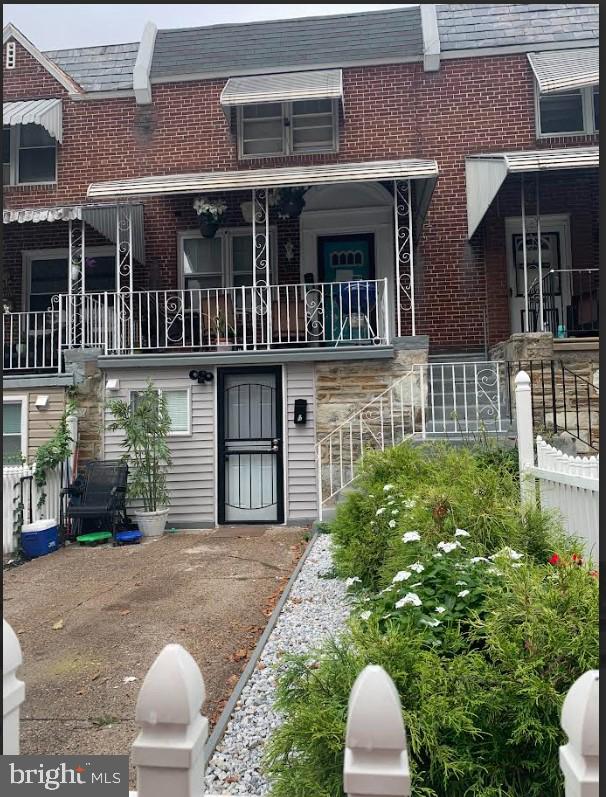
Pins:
x: 561, y: 113
x: 37, y: 155
x: 12, y: 445
x: 312, y: 126
x: 596, y: 108
x: 177, y: 404
x: 202, y: 263
x: 262, y: 129
x: 6, y: 155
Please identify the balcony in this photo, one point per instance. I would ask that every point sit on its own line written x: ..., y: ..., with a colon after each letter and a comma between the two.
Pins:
x: 223, y: 320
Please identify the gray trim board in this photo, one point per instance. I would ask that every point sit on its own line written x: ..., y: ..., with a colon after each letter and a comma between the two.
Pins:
x: 26, y: 382
x: 276, y: 357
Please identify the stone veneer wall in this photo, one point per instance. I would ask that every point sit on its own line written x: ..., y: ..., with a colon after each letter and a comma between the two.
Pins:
x: 89, y: 395
x: 344, y: 386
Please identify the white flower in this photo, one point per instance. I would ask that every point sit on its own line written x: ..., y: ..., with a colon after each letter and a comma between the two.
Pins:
x: 461, y: 584
x: 411, y: 598
x: 402, y: 575
x: 365, y: 615
x: 440, y: 609
x: 517, y: 564
x: 391, y: 502
x: 475, y: 559
x: 495, y: 571
x: 417, y: 567
x: 411, y: 536
x: 410, y: 503
x: 373, y: 522
x: 461, y: 533
x: 392, y: 524
x: 387, y: 589
x: 352, y: 580
x: 447, y: 547
x: 380, y: 511
x: 215, y: 208
x: 387, y: 488
x: 514, y: 554
x: 432, y: 623
x: 416, y: 584
x: 395, y: 511
x: 437, y: 556
x: 463, y: 593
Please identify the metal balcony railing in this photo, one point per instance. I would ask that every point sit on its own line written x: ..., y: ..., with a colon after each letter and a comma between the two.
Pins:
x: 571, y: 302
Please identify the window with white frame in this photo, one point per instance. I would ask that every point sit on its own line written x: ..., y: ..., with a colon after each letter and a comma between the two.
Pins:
x: 287, y: 128
x: 29, y: 155
x: 178, y: 406
x: 14, y: 430
x: 568, y: 112
x: 224, y: 261
x: 46, y: 274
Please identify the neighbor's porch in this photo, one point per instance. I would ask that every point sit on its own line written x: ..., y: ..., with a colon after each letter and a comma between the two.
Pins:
x: 337, y: 272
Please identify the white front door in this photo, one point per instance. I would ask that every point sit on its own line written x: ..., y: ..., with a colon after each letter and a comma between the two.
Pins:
x: 555, y: 254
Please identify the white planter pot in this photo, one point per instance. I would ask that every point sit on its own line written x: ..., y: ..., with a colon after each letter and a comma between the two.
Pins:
x: 151, y: 524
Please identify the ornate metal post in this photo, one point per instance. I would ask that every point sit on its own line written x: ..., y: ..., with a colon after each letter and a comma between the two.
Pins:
x: 539, y: 255
x: 124, y: 276
x: 524, y: 253
x: 404, y: 252
x: 261, y: 262
x: 76, y: 282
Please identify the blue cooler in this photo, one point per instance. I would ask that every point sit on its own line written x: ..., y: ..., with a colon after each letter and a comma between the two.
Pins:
x: 39, y: 538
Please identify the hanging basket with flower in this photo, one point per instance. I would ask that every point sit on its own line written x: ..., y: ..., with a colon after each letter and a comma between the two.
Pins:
x: 289, y: 201
x: 210, y: 214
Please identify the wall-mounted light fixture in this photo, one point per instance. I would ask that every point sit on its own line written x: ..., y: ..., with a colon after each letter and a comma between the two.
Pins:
x: 300, y: 411
x: 41, y: 402
x: 112, y: 384
x: 202, y: 377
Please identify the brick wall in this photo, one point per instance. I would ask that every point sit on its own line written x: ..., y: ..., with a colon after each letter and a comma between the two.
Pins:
x: 470, y: 105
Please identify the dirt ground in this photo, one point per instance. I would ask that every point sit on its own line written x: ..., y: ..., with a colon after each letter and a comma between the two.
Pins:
x: 90, y: 618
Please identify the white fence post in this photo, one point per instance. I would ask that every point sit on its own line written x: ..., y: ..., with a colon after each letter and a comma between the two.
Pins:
x: 13, y: 690
x: 579, y: 759
x: 524, y: 425
x: 169, y: 751
x: 376, y: 759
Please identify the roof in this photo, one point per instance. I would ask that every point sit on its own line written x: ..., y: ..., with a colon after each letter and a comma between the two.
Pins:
x: 105, y: 68
x: 557, y: 70
x: 280, y: 45
x: 266, y: 178
x: 471, y: 26
x: 486, y: 173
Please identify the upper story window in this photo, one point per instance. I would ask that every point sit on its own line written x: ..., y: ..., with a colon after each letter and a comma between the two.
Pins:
x: 47, y: 275
x: 569, y: 112
x: 29, y: 155
x: 287, y: 128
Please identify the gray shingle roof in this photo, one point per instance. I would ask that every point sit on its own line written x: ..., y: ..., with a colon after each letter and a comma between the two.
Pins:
x: 103, y: 68
x: 281, y: 44
x: 464, y: 26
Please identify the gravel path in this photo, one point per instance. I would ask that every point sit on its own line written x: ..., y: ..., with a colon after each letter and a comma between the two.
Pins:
x: 316, y: 609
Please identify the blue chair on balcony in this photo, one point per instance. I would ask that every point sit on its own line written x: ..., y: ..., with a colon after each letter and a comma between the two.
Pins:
x: 354, y: 304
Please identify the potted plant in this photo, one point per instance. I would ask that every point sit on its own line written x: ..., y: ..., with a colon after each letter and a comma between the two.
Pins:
x: 210, y: 214
x: 289, y: 202
x: 222, y: 329
x: 145, y: 423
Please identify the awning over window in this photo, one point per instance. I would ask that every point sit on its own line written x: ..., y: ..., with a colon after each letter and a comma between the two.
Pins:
x: 284, y: 87
x: 101, y: 217
x: 267, y: 178
x: 485, y: 174
x: 47, y: 113
x: 558, y: 70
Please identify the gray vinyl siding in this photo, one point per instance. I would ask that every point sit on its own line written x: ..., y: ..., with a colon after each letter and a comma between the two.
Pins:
x: 191, y: 479
x: 301, y: 491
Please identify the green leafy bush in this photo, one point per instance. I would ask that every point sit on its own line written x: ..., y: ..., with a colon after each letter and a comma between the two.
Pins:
x: 459, y: 596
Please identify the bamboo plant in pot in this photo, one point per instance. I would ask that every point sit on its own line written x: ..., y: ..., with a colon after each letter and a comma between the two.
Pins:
x: 145, y: 423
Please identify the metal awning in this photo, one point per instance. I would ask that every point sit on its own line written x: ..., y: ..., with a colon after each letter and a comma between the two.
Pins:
x: 267, y: 178
x: 561, y: 70
x: 47, y: 113
x: 485, y: 174
x: 322, y: 84
x: 101, y: 217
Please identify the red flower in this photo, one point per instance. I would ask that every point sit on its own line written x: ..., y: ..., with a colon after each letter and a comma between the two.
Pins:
x: 577, y: 559
x: 554, y: 559
x: 594, y: 573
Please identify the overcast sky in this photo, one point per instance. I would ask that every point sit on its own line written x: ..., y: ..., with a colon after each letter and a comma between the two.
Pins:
x: 59, y: 26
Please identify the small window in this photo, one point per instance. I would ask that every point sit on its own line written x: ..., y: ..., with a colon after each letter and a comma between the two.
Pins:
x: 596, y: 108
x: 561, y: 113
x: 11, y: 55
x: 313, y: 127
x: 13, y: 442
x: 177, y: 404
x: 202, y: 263
x: 6, y: 155
x: 48, y: 278
x: 37, y: 155
x: 262, y: 129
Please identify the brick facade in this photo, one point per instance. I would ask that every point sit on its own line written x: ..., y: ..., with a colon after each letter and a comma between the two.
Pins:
x: 470, y: 105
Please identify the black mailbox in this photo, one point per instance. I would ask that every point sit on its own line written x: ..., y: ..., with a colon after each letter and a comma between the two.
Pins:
x: 300, y: 411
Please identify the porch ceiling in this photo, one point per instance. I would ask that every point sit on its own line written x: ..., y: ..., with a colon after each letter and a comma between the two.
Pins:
x: 268, y: 178
x: 485, y: 174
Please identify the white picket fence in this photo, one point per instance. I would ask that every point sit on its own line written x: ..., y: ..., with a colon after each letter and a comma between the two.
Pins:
x: 10, y: 491
x: 567, y: 485
x: 169, y: 750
